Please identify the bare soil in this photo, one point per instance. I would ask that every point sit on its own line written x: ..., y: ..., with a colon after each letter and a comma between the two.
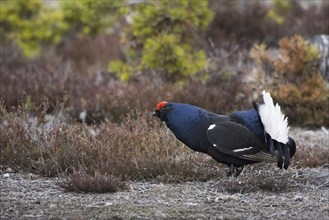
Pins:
x: 304, y: 196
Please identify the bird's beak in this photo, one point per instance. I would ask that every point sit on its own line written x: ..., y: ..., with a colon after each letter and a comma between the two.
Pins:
x: 156, y: 113
x: 159, y: 114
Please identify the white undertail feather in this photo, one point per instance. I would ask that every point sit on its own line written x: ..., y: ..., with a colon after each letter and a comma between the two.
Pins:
x: 274, y: 121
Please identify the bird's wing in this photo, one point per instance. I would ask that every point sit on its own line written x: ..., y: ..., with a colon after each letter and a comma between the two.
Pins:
x: 236, y: 140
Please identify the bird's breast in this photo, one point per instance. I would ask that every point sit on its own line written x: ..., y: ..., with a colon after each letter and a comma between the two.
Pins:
x: 191, y: 133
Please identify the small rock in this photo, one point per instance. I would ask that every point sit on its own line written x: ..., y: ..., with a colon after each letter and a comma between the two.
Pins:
x: 191, y: 204
x: 299, y: 198
x: 226, y: 198
x: 52, y: 206
x: 9, y: 170
x: 324, y: 130
x: 32, y: 176
x: 7, y: 175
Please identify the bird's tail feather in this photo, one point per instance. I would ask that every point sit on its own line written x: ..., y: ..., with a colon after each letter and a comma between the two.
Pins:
x: 276, y: 131
x: 273, y: 120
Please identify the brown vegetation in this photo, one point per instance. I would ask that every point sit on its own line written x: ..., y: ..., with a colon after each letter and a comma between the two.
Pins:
x: 139, y: 148
x: 249, y: 22
x: 295, y: 80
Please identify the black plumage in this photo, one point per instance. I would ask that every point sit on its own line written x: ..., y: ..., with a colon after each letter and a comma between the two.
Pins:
x: 236, y: 140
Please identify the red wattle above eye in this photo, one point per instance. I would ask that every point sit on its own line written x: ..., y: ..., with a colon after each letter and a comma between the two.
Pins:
x: 161, y: 105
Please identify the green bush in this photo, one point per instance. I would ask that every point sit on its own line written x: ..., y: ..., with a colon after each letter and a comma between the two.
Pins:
x: 34, y: 24
x: 163, y: 35
x: 92, y: 17
x: 165, y: 51
x: 279, y: 11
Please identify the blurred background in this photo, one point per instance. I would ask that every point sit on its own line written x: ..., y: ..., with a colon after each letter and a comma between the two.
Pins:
x: 104, y: 59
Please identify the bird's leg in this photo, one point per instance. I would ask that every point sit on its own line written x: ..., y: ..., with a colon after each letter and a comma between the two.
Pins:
x: 238, y: 171
x: 230, y: 170
x: 234, y: 170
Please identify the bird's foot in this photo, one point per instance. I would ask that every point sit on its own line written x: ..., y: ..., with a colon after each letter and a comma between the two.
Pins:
x: 234, y: 170
x: 238, y: 171
x: 230, y: 170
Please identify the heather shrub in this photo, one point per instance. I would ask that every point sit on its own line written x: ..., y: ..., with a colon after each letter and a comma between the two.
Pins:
x: 81, y: 181
x: 101, y: 157
x: 311, y: 154
x: 232, y: 22
x: 251, y: 22
x: 223, y: 89
x: 138, y: 148
x: 259, y: 177
x: 101, y: 96
x: 222, y: 96
x: 306, y: 103
x: 295, y: 81
x: 90, y: 54
x: 298, y: 59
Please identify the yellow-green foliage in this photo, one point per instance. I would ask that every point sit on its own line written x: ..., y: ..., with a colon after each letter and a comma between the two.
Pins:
x: 165, y: 51
x: 91, y: 17
x: 163, y: 36
x: 35, y: 23
x: 31, y: 24
x: 14, y: 12
x: 279, y: 11
x: 123, y: 69
x: 298, y: 86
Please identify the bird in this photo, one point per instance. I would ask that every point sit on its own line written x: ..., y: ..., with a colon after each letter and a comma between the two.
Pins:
x: 238, y: 139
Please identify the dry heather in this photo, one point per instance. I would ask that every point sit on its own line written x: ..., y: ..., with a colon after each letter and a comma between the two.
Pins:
x: 102, y: 157
x: 137, y: 149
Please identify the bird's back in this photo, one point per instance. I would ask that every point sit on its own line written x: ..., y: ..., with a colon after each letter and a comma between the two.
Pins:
x: 250, y: 119
x: 190, y: 123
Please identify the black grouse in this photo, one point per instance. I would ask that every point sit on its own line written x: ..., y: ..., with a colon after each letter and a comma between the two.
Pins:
x: 238, y: 139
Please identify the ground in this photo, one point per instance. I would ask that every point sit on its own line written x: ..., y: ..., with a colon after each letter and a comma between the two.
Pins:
x: 299, y: 193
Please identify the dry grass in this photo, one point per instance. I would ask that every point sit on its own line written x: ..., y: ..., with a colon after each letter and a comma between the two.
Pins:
x: 312, y: 156
x: 83, y: 182
x: 259, y: 177
x: 140, y: 148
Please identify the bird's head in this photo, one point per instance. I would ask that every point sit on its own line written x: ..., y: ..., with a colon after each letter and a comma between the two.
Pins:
x: 161, y: 110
